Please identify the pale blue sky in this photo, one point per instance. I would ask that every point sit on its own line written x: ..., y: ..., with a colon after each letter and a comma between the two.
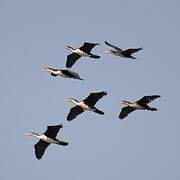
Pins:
x: 143, y: 146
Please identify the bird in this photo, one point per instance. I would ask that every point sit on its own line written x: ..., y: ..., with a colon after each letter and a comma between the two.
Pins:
x: 86, y: 104
x: 122, y: 53
x: 62, y: 72
x: 84, y: 51
x: 45, y: 139
x: 141, y: 104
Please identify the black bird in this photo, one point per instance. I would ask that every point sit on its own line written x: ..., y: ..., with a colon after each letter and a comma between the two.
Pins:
x: 122, y: 53
x: 62, y: 72
x: 86, y: 104
x: 138, y: 105
x: 47, y: 138
x: 84, y: 50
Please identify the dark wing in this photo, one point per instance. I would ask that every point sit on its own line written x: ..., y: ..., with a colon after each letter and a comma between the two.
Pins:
x: 70, y: 74
x: 87, y: 47
x: 52, y: 131
x: 75, y: 111
x: 147, y: 99
x: 40, y: 148
x: 71, y: 59
x: 94, y: 97
x: 128, y: 52
x: 125, y: 111
x: 115, y: 47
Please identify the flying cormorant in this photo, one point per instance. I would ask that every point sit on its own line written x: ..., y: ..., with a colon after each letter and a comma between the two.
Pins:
x: 82, y: 51
x: 86, y: 104
x: 138, y: 105
x: 62, y: 72
x: 45, y: 139
x: 122, y: 53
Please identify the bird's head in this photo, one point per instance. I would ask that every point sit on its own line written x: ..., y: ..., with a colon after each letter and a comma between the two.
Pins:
x: 32, y: 134
x: 125, y: 103
x: 46, y: 69
x: 71, y: 100
x: 68, y: 47
x: 110, y: 51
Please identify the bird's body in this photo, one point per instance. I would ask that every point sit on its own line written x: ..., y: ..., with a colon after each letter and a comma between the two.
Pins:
x: 83, y: 51
x: 87, y: 104
x: 45, y: 139
x: 141, y: 104
x: 62, y: 72
x: 122, y: 53
x: 80, y: 52
x: 80, y: 104
x: 134, y: 105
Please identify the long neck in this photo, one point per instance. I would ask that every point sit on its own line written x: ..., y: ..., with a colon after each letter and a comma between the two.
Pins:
x: 36, y: 135
x: 111, y: 51
x: 74, y: 101
x: 126, y: 103
x: 50, y: 70
x: 69, y: 48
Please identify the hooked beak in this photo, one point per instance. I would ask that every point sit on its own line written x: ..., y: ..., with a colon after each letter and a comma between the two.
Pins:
x: 28, y: 133
x: 108, y: 51
x: 66, y: 46
x: 67, y: 100
x: 43, y: 69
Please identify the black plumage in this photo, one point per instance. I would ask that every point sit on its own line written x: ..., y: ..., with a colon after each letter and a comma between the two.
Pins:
x: 51, y: 132
x: 141, y: 104
x: 86, y: 48
x: 125, y: 111
x: 90, y: 102
x: 75, y: 111
x: 94, y: 97
x: 123, y: 53
x: 71, y: 59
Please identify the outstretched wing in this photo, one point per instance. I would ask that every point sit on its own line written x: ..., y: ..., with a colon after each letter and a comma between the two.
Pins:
x: 53, y: 130
x: 71, y: 59
x: 125, y: 111
x: 75, y: 111
x: 87, y: 47
x: 115, y: 47
x: 94, y: 97
x: 40, y: 148
x: 70, y: 74
x: 128, y: 52
x: 147, y: 99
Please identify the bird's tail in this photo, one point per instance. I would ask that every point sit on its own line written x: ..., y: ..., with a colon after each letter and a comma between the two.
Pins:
x: 80, y: 78
x: 153, y: 109
x: 63, y: 143
x: 94, y: 56
x: 132, y: 57
x: 98, y: 111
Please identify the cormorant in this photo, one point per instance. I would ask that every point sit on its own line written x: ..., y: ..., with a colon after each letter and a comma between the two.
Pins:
x: 45, y: 139
x: 138, y: 105
x: 86, y: 104
x: 82, y: 51
x: 122, y: 53
x: 62, y: 72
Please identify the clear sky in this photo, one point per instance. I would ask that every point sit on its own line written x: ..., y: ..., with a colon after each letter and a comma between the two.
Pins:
x: 145, y: 145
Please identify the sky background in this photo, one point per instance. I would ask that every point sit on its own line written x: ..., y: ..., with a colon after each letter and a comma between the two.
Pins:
x: 145, y: 145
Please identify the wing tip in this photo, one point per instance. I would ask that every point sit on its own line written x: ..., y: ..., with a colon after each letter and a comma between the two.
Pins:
x: 104, y: 93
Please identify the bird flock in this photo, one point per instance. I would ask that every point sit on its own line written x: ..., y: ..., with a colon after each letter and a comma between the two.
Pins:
x: 88, y: 104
